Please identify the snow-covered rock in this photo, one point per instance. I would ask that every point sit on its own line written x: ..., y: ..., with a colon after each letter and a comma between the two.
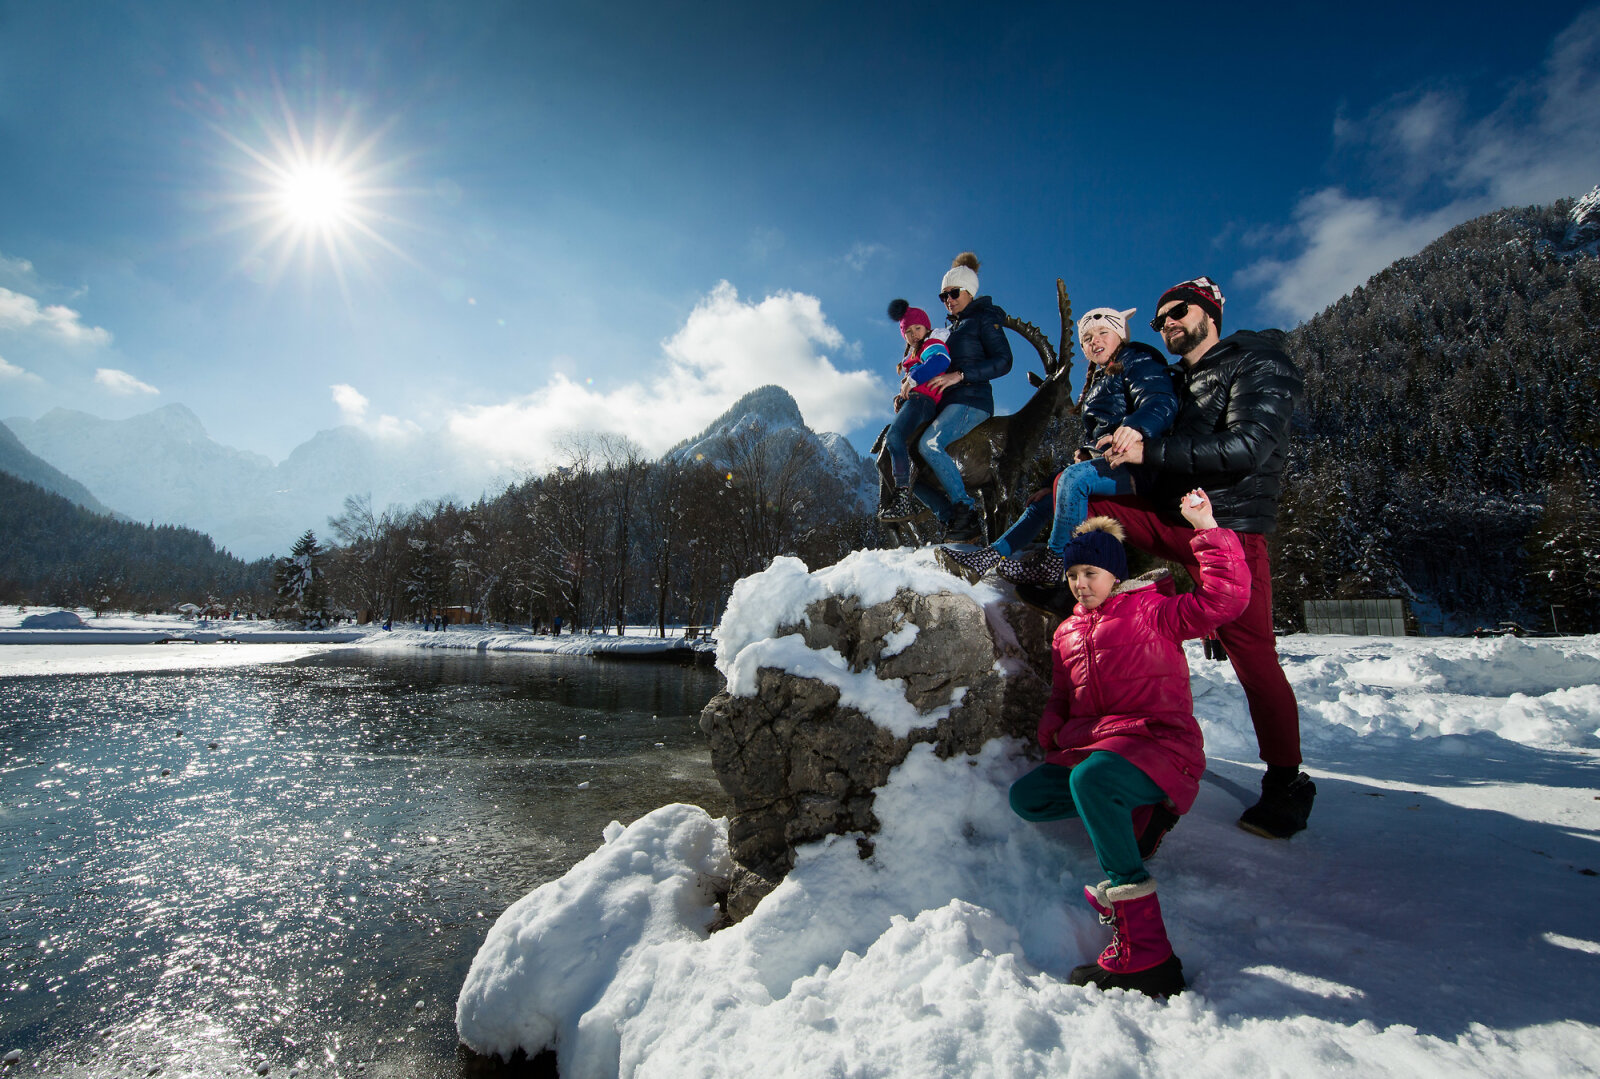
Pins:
x: 833, y: 676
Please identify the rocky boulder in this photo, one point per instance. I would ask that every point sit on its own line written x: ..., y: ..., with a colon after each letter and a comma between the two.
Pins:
x: 833, y: 676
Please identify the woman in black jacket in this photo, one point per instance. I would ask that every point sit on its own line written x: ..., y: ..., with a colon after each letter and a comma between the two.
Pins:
x: 979, y: 352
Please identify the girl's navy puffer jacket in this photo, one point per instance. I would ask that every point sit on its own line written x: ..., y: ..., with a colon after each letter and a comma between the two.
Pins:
x: 1141, y: 396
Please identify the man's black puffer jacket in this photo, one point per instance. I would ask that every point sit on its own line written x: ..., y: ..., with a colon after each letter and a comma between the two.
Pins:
x: 1231, y: 436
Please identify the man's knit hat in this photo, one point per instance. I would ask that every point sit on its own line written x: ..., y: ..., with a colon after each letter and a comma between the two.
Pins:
x: 1106, y: 316
x: 1098, y: 542
x: 907, y: 315
x: 963, y: 273
x: 1203, y: 291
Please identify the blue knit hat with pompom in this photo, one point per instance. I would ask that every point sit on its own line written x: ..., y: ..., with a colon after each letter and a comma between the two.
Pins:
x: 1098, y: 542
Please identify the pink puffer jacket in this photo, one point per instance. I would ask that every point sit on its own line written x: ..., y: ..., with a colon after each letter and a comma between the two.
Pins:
x: 1121, y: 682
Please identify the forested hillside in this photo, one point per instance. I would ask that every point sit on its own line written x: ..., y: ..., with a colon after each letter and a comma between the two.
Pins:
x: 608, y: 536
x: 55, y: 552
x: 1449, y: 448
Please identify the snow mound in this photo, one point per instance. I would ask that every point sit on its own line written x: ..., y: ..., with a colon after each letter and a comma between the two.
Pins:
x: 946, y: 954
x: 1536, y: 693
x: 1494, y: 667
x: 549, y: 971
x: 54, y: 620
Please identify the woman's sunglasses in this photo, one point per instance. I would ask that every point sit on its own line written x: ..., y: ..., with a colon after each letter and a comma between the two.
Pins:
x: 949, y: 294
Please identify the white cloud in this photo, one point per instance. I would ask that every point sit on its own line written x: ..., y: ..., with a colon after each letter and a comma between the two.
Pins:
x: 121, y: 383
x: 23, y: 312
x: 862, y: 253
x: 1343, y: 241
x: 726, y: 348
x: 16, y: 269
x: 352, y: 404
x: 1537, y: 145
x: 10, y: 372
x: 353, y: 407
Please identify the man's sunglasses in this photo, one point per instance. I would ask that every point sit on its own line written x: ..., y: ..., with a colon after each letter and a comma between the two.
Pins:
x: 1176, y: 312
x: 949, y: 294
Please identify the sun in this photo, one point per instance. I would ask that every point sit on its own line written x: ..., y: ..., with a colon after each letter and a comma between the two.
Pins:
x: 316, y: 195
x: 317, y: 192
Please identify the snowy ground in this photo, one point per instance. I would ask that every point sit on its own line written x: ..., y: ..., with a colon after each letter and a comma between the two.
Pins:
x: 130, y: 642
x: 1440, y: 917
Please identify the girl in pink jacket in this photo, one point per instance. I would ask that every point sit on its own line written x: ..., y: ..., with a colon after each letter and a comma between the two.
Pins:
x: 1122, y: 749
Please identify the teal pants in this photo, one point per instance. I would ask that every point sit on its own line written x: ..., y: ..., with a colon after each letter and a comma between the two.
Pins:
x: 1102, y: 790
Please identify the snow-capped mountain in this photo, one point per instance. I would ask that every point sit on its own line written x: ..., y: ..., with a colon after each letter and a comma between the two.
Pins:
x: 771, y: 413
x: 164, y: 466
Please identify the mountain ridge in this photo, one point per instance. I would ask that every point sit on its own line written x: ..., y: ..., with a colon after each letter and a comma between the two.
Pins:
x: 164, y: 466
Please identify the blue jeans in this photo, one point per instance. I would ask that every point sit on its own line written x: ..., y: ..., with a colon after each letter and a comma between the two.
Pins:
x: 1067, y: 506
x: 918, y: 410
x: 951, y: 423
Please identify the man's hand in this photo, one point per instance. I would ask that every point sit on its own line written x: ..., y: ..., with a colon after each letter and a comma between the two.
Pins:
x: 1041, y: 493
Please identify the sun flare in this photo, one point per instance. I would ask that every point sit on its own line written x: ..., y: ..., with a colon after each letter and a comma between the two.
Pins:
x: 315, y: 192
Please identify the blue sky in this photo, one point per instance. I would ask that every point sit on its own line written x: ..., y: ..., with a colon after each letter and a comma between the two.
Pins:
x: 622, y: 216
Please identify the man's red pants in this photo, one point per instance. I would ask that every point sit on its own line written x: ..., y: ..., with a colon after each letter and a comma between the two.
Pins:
x: 1251, y: 644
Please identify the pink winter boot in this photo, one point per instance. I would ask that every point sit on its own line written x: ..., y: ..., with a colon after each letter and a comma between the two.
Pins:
x: 1139, y: 956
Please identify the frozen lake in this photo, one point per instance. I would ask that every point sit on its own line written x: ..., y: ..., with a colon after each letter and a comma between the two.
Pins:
x: 206, y: 870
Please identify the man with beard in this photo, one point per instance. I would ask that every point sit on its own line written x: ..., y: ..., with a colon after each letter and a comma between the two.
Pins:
x: 1231, y: 439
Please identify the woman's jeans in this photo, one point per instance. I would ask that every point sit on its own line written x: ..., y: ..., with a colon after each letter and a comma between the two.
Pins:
x: 951, y: 423
x: 1067, y: 506
x: 918, y: 410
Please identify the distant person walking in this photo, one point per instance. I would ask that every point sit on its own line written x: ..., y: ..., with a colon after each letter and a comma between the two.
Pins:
x: 555, y: 626
x: 1231, y: 436
x: 979, y: 353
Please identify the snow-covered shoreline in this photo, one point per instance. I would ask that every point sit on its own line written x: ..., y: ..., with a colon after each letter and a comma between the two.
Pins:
x: 165, y: 642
